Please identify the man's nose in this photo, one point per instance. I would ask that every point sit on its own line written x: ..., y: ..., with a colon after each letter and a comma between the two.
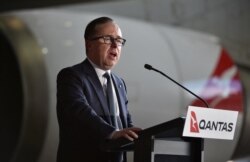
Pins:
x: 114, y: 44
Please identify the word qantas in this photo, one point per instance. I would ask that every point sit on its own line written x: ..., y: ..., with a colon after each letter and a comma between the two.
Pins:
x: 217, y: 126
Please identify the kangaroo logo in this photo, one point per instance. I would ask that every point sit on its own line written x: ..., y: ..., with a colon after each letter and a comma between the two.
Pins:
x: 193, y: 123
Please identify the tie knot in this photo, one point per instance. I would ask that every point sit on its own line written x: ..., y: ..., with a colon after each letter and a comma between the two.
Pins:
x: 106, y: 75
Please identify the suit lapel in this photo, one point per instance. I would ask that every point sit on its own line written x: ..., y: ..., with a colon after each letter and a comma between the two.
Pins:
x: 94, y: 80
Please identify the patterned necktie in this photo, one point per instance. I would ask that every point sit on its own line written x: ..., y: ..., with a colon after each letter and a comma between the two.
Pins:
x: 115, y: 118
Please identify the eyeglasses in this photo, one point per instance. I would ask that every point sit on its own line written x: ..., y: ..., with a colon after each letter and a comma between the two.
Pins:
x: 107, y: 39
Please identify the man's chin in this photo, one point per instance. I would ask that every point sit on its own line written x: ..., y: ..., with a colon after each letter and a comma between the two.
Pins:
x: 111, y: 65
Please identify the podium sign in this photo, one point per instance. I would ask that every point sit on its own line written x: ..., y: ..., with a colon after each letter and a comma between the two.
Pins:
x: 210, y: 123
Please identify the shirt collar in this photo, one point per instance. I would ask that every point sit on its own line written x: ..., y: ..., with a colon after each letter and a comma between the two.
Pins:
x: 98, y: 70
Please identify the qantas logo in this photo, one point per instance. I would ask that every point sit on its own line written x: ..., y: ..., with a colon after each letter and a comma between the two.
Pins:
x: 193, y: 123
x: 223, y: 87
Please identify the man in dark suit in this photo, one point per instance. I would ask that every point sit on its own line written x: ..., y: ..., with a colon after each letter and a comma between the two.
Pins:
x: 85, y: 115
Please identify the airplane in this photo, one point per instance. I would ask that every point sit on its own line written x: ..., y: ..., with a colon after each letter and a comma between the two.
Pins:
x: 36, y: 44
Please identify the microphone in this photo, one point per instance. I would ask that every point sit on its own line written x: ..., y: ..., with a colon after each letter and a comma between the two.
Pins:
x: 149, y: 67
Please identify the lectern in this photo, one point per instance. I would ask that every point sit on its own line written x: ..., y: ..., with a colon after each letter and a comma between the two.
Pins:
x: 161, y: 143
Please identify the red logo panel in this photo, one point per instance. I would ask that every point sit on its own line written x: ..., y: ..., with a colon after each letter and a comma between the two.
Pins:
x: 223, y: 88
x: 193, y: 123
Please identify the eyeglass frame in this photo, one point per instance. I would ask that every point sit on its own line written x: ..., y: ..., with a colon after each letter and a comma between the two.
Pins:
x: 112, y: 39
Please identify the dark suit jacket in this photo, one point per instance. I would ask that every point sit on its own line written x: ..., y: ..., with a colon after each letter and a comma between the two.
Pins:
x: 83, y: 115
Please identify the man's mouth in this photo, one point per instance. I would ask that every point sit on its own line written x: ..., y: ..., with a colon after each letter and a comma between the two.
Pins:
x: 113, y: 54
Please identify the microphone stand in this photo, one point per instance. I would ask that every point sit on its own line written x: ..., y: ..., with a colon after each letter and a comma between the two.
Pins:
x: 149, y: 67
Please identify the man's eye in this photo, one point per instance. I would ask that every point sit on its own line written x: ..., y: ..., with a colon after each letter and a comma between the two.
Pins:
x: 107, y: 38
x: 119, y: 40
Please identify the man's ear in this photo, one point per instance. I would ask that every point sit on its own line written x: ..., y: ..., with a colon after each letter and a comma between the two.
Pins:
x: 88, y: 45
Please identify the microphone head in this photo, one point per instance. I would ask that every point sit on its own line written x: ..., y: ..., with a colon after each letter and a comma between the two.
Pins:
x: 147, y: 66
